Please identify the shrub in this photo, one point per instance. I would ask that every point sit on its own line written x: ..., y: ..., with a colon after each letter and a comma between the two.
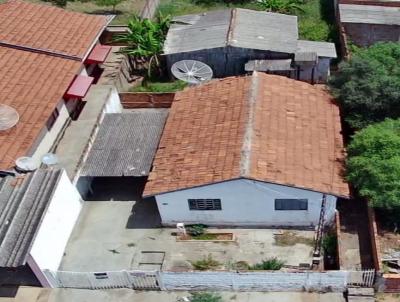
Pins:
x: 271, y: 264
x: 373, y: 165
x: 196, y: 229
x: 207, y: 263
x: 205, y: 297
x: 368, y: 85
x: 329, y: 244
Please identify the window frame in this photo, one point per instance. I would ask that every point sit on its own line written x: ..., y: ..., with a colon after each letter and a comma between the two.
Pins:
x: 205, y: 204
x: 300, y: 207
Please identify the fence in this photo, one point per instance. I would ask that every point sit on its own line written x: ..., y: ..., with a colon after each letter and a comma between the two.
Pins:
x: 335, y: 281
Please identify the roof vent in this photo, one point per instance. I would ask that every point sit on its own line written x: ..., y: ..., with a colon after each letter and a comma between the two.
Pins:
x: 9, y: 117
x: 26, y: 164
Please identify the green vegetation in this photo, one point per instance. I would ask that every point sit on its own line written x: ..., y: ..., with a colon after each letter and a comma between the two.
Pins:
x: 373, y: 166
x: 196, y: 229
x: 316, y: 17
x: 144, y: 43
x: 207, y: 263
x: 368, y: 85
x: 107, y: 3
x: 271, y: 264
x: 160, y: 87
x: 205, y: 297
x: 329, y: 244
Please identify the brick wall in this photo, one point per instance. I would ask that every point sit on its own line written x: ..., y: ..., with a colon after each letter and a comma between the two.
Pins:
x: 375, y: 244
x: 392, y: 283
x: 368, y: 34
x: 368, y: 2
x: 339, y: 238
x: 132, y: 100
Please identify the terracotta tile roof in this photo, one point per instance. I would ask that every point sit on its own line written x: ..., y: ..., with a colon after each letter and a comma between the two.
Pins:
x: 265, y: 127
x: 32, y: 84
x: 50, y: 28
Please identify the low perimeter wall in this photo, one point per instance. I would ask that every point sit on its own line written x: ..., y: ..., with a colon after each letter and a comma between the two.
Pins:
x: 331, y: 281
x: 133, y: 100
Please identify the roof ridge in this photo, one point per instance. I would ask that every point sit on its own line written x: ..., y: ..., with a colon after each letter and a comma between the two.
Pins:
x: 248, y: 135
x: 229, y: 34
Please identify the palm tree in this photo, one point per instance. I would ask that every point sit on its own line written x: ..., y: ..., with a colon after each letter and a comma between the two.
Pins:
x: 144, y: 41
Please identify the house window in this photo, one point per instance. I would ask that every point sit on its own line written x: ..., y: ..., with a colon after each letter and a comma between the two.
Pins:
x: 291, y: 204
x: 204, y: 204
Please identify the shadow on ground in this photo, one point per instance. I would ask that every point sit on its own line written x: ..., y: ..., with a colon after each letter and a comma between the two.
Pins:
x: 144, y: 215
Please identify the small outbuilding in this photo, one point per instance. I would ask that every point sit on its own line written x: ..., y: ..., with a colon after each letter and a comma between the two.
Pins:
x: 229, y: 39
x: 365, y: 24
x: 260, y: 150
x: 37, y: 214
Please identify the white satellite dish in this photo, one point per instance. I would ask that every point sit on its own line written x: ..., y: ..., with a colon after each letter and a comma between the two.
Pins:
x: 191, y: 71
x: 26, y: 164
x: 49, y: 159
x: 9, y: 117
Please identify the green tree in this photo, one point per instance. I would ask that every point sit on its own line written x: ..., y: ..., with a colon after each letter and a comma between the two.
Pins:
x: 373, y: 165
x: 108, y: 3
x: 368, y: 85
x: 145, y: 39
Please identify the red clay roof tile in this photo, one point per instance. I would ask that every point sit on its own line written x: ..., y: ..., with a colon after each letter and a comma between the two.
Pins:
x: 268, y: 128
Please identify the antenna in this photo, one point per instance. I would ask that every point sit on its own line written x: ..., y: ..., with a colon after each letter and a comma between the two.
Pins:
x: 9, y: 117
x: 26, y: 164
x: 191, y: 71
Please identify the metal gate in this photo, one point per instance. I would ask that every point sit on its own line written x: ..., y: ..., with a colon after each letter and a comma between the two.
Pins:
x: 362, y: 278
x: 108, y: 279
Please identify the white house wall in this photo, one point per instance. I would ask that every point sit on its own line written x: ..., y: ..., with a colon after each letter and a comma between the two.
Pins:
x: 56, y: 227
x: 244, y: 202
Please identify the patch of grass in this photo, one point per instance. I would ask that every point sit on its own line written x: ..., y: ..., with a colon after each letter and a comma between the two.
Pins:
x: 271, y: 264
x: 123, y: 12
x: 207, y: 263
x: 160, y: 87
x: 205, y: 297
x: 206, y: 236
x: 288, y: 238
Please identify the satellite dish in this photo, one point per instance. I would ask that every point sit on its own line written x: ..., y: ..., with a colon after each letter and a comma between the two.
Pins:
x: 26, y: 164
x: 49, y: 159
x: 191, y: 71
x: 9, y: 117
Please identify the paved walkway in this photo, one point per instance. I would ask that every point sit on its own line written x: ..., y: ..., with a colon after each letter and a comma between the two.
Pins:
x: 355, y: 245
x: 28, y: 294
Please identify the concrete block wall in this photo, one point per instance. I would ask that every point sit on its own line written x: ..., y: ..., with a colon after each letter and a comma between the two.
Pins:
x: 257, y: 281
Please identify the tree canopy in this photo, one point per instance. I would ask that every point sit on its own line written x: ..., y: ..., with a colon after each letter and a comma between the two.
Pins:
x: 373, y: 165
x: 368, y: 85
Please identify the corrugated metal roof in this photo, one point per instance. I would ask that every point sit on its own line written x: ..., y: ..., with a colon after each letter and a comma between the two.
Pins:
x: 200, y: 31
x: 369, y: 14
x: 126, y: 143
x: 236, y: 27
x: 23, y: 204
x: 323, y: 49
x: 264, y: 31
x: 268, y: 65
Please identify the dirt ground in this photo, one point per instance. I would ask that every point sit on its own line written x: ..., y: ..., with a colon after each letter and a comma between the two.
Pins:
x: 389, y: 241
x: 381, y: 297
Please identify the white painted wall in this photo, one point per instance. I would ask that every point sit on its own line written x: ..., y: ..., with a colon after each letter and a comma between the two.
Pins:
x: 56, y: 227
x: 47, y: 137
x: 113, y: 104
x: 244, y: 202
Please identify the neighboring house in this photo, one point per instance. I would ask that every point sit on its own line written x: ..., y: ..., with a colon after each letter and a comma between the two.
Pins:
x: 259, y: 150
x: 367, y: 22
x: 230, y: 40
x: 37, y: 214
x: 48, y: 60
